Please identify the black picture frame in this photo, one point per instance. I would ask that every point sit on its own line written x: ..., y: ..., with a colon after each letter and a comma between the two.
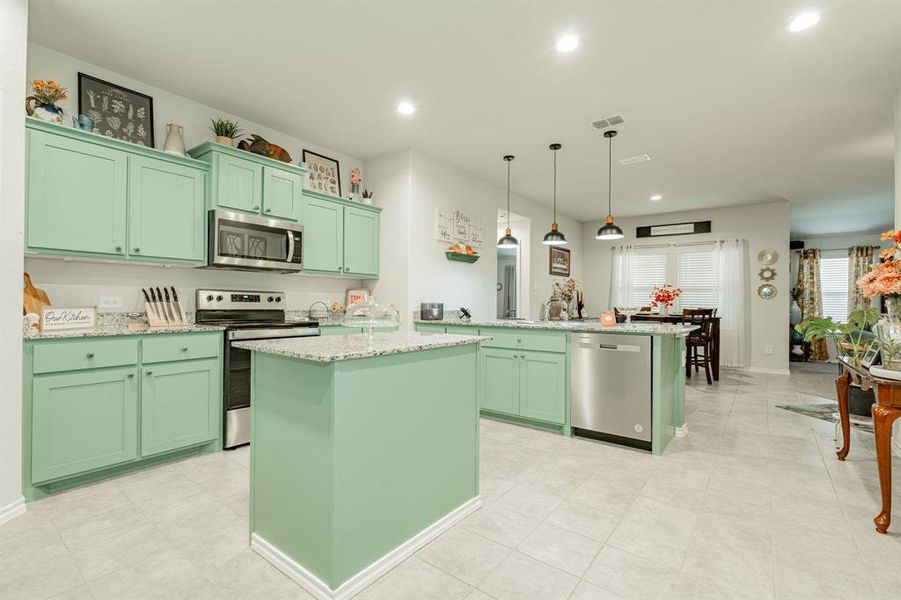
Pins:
x: 133, y: 102
x: 316, y: 183
x: 563, y: 255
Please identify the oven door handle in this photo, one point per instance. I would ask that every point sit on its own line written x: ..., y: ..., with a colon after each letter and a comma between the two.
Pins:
x: 263, y: 334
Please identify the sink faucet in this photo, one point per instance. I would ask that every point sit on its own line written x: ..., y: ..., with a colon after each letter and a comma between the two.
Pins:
x: 510, y: 314
x: 310, y: 310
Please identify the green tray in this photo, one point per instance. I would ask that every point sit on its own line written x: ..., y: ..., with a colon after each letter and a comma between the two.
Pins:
x: 460, y: 257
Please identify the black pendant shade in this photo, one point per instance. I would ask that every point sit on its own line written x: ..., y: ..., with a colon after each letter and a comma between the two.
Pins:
x: 609, y: 230
x: 554, y: 237
x: 508, y: 241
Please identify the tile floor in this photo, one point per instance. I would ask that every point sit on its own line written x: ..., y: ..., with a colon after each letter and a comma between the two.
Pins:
x: 752, y: 504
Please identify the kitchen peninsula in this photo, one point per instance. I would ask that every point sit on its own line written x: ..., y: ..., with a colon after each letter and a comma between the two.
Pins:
x: 364, y: 449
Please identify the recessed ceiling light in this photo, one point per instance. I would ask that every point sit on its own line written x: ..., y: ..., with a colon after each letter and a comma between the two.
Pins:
x: 567, y: 42
x: 656, y: 197
x: 406, y: 108
x: 805, y: 20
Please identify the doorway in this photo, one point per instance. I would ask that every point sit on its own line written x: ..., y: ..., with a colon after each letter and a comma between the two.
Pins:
x: 512, y: 269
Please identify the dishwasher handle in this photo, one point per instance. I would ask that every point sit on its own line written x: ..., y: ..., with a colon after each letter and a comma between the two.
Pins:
x: 620, y: 347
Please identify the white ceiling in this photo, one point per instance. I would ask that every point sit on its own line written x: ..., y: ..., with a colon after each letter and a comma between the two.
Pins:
x: 731, y: 107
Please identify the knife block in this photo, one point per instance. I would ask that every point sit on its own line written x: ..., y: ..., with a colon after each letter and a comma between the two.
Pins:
x: 157, y: 315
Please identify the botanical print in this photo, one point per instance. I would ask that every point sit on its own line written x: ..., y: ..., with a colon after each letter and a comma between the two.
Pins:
x: 325, y: 175
x: 117, y: 112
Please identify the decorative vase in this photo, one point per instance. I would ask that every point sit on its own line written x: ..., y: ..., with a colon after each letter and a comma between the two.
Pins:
x: 555, y: 309
x: 794, y: 313
x: 175, y: 139
x: 225, y: 140
x: 664, y: 310
x: 44, y: 112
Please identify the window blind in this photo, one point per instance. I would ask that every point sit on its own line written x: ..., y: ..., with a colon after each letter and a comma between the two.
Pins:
x: 696, y: 279
x: 649, y: 270
x: 834, y: 286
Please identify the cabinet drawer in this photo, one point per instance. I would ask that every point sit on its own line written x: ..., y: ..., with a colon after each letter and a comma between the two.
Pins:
x: 430, y: 328
x: 91, y: 353
x: 519, y: 339
x: 187, y: 346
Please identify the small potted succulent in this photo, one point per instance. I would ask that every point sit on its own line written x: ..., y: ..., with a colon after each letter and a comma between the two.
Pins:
x: 226, y: 131
x: 45, y: 96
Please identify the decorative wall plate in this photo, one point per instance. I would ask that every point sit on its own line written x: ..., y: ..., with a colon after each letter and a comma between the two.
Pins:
x: 767, y: 291
x: 767, y: 274
x: 767, y: 257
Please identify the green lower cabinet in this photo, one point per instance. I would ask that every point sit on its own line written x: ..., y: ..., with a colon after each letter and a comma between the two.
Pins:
x: 543, y: 386
x: 83, y: 421
x: 180, y: 405
x: 338, y: 330
x: 431, y: 328
x: 462, y: 330
x: 500, y: 380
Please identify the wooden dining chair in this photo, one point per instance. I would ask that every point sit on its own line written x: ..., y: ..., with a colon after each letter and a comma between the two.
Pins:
x: 699, y: 343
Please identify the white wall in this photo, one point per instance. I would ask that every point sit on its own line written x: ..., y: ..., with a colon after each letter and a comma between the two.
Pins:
x: 80, y: 283
x: 13, y: 32
x: 430, y: 276
x: 764, y: 226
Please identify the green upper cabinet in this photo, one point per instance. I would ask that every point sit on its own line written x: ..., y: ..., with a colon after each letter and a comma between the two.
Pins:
x: 76, y: 195
x: 165, y: 210
x: 323, y: 230
x: 180, y: 405
x: 83, y: 421
x: 93, y: 196
x: 542, y: 378
x: 361, y: 242
x: 238, y: 183
x: 341, y: 237
x: 282, y: 197
x: 254, y: 184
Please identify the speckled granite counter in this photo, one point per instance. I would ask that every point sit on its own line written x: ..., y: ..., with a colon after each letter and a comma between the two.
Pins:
x: 349, y: 347
x: 592, y: 326
x: 114, y: 330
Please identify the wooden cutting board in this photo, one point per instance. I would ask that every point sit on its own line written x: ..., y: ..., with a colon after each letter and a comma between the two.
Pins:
x: 33, y: 299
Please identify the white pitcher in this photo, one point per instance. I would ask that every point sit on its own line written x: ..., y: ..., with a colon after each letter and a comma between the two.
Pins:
x: 175, y: 140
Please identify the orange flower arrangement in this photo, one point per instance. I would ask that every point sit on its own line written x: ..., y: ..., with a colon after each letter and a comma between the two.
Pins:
x: 884, y: 279
x: 664, y: 295
x: 49, y: 92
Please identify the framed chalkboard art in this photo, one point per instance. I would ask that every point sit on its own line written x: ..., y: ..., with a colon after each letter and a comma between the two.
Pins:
x: 117, y: 112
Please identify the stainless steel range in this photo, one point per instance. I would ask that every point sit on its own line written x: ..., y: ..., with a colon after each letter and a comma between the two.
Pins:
x: 247, y: 315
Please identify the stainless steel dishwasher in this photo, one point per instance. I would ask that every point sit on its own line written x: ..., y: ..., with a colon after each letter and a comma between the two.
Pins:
x: 611, y: 388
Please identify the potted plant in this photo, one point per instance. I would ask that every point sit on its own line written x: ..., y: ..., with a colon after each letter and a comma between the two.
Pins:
x: 889, y: 340
x: 226, y: 131
x: 45, y: 96
x: 663, y: 297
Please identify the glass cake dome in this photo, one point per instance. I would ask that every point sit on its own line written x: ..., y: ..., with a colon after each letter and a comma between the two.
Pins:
x: 371, y: 315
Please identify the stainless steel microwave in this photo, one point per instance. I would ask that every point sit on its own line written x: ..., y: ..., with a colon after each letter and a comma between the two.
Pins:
x: 252, y: 243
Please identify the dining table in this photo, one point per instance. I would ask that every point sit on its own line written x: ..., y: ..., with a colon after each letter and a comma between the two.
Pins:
x: 677, y: 318
x: 886, y: 410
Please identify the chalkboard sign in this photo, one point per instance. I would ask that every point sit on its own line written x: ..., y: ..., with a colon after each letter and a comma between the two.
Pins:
x: 117, y: 112
x: 672, y: 229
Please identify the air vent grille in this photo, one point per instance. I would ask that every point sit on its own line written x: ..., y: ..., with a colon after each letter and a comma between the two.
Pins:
x: 632, y: 160
x: 608, y: 122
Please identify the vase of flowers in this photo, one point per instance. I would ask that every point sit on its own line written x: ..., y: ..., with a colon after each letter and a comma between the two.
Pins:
x: 42, y: 103
x: 356, y: 179
x: 884, y: 279
x: 664, y: 296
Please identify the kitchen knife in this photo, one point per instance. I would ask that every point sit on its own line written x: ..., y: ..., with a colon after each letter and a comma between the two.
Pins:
x: 163, y: 305
x: 150, y: 306
x: 170, y: 310
x: 177, y: 307
x: 157, y: 305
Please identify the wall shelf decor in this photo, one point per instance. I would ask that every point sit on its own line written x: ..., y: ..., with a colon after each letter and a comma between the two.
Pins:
x: 460, y: 257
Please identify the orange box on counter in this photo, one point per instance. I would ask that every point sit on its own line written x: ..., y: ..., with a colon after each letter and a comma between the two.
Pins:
x: 608, y: 319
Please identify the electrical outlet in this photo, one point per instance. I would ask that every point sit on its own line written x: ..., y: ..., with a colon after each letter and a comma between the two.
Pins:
x: 110, y: 302
x: 768, y: 349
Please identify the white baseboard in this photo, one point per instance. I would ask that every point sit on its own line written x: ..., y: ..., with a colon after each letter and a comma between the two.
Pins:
x: 12, y: 510
x: 682, y: 430
x: 321, y: 590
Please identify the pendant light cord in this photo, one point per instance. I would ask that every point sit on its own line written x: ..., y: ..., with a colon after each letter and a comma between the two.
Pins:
x: 610, y: 176
x: 555, y: 186
x: 508, y: 194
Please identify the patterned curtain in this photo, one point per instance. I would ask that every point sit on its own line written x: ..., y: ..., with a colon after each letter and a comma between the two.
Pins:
x: 810, y: 296
x: 860, y: 259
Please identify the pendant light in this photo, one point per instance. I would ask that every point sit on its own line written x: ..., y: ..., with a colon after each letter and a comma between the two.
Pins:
x: 508, y: 241
x: 610, y: 230
x: 554, y: 237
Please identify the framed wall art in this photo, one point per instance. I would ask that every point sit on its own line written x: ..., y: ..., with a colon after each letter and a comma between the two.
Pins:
x: 118, y: 112
x: 559, y: 261
x: 325, y: 173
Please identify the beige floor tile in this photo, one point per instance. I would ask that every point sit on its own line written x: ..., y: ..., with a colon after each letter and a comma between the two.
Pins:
x: 655, y: 531
x: 74, y: 507
x: 464, y: 554
x: 589, y: 591
x: 415, y: 579
x: 529, y: 501
x: 478, y: 595
x: 519, y: 577
x: 82, y: 592
x: 37, y: 571
x: 249, y: 577
x: 565, y: 550
x: 610, y: 496
x: 501, y: 525
x: 168, y: 575
x: 585, y: 519
x: 631, y: 576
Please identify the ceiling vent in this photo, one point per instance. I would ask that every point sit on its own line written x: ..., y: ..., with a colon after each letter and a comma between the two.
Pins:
x: 608, y: 122
x: 635, y: 159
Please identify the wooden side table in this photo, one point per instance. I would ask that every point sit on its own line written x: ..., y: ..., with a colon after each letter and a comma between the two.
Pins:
x: 886, y: 410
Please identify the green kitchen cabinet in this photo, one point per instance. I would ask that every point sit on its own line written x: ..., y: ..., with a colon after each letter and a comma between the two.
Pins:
x: 238, y: 183
x: 542, y: 378
x: 462, y: 330
x: 431, y: 327
x: 165, y: 210
x: 339, y: 330
x: 282, y: 197
x: 180, y: 405
x: 500, y: 380
x: 83, y: 421
x: 76, y: 195
x: 361, y: 242
x: 323, y: 228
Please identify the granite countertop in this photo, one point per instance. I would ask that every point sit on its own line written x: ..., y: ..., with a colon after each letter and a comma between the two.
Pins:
x: 588, y: 326
x: 358, y: 345
x: 117, y: 329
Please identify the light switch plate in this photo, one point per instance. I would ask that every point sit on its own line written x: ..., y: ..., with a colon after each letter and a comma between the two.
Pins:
x: 110, y: 302
x: 767, y: 349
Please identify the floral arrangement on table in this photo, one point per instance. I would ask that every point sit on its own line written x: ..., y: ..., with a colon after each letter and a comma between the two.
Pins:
x: 884, y: 279
x: 45, y: 95
x: 664, y: 296
x: 561, y: 302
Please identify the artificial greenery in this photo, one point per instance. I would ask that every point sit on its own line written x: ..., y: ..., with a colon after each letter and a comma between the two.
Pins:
x: 889, y: 347
x: 848, y: 337
x: 225, y: 128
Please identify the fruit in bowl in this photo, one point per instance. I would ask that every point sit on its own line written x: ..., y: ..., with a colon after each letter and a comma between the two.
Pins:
x: 463, y: 249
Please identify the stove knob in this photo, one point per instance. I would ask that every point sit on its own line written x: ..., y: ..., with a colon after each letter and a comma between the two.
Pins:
x: 271, y: 298
x: 209, y: 298
x: 278, y: 298
x: 218, y: 298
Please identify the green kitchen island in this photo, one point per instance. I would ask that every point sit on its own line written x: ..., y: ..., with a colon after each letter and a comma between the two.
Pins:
x: 363, y: 450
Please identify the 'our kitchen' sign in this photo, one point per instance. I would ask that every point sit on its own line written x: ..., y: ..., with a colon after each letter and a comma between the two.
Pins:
x: 58, y: 319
